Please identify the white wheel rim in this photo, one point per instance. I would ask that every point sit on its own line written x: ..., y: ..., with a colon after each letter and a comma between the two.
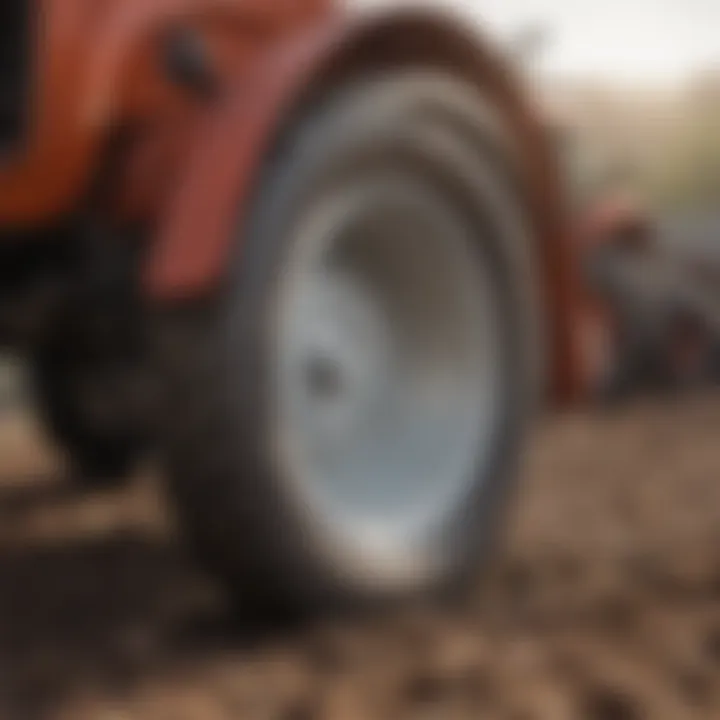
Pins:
x: 386, y: 370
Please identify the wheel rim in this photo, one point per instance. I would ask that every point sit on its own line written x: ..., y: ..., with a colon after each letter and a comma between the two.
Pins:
x: 386, y: 369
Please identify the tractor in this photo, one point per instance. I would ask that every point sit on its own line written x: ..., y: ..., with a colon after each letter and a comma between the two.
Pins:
x: 319, y: 262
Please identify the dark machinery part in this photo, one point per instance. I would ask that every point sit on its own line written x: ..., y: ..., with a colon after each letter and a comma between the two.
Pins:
x: 666, y: 320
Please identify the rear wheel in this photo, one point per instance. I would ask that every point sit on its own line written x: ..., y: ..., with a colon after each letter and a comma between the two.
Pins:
x: 346, y: 418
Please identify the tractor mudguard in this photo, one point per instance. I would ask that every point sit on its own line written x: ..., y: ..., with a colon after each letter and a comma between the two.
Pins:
x: 215, y: 189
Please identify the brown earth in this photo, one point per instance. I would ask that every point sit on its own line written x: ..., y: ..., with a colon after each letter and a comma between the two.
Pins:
x: 606, y: 605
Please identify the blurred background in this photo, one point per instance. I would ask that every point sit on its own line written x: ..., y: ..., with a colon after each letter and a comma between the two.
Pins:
x: 606, y: 605
x: 637, y: 84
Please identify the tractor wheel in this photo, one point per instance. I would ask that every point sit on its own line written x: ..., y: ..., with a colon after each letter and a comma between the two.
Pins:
x: 83, y: 408
x: 344, y: 421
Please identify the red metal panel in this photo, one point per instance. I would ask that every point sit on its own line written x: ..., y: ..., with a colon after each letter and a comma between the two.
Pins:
x: 89, y: 76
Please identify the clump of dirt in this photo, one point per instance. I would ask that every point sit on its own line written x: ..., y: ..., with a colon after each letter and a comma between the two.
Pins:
x: 606, y: 605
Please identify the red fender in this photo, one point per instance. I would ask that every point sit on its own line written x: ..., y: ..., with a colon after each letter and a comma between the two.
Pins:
x: 216, y: 187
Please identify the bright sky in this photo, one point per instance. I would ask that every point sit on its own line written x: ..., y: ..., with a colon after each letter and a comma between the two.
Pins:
x: 649, y: 41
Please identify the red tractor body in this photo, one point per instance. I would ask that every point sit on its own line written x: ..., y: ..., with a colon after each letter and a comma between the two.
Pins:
x: 169, y: 167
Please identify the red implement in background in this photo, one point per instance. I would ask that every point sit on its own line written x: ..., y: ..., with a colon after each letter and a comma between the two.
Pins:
x: 654, y: 312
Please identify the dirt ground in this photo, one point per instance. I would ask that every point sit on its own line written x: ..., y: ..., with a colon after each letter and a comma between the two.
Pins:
x: 606, y: 605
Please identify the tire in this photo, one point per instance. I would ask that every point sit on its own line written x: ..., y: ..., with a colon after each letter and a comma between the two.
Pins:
x: 101, y: 450
x: 425, y: 155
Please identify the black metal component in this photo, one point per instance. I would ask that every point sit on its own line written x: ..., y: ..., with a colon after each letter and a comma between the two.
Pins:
x: 35, y: 269
x: 667, y: 322
x: 16, y: 19
x: 188, y: 63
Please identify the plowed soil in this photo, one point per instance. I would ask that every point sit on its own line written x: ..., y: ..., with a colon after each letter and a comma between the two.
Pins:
x: 604, y: 606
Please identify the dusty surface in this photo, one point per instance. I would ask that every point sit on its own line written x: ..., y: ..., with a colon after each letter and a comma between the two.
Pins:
x: 607, y: 606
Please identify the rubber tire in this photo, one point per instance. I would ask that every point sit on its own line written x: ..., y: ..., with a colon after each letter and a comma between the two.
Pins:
x: 96, y: 457
x: 229, y: 494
